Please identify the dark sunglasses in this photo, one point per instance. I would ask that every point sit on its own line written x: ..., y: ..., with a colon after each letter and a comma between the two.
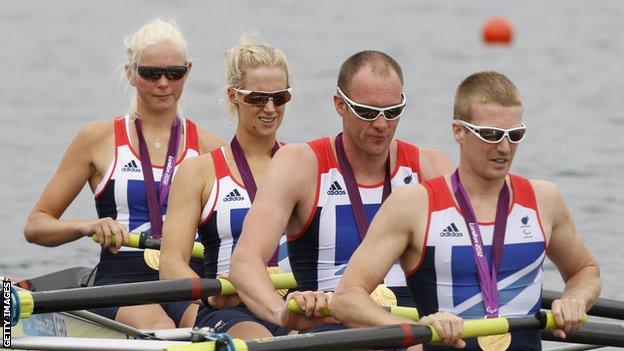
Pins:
x: 261, y: 98
x: 371, y: 113
x: 493, y: 135
x: 153, y: 74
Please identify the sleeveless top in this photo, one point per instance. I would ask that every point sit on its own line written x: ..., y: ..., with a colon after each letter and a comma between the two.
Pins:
x: 446, y: 277
x: 121, y: 193
x: 320, y: 252
x: 221, y: 221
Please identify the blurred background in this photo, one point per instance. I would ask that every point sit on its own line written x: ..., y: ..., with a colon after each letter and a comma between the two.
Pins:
x: 61, y: 64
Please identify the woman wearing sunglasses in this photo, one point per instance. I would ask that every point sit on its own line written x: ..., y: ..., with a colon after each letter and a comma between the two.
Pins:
x: 112, y: 156
x: 212, y: 193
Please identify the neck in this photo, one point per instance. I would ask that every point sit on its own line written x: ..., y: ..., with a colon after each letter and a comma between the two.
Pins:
x: 254, y: 146
x: 365, y: 167
x: 477, y: 186
x: 152, y: 122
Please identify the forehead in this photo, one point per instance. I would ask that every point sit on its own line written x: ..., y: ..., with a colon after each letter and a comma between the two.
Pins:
x: 265, y: 78
x: 495, y: 115
x: 372, y: 88
x: 162, y: 54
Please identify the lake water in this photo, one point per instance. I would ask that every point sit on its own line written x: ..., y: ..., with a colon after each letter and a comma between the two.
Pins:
x: 61, y: 65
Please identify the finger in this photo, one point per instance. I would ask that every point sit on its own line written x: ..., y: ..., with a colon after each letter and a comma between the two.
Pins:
x: 117, y: 237
x: 310, y: 302
x: 567, y: 316
x: 555, y: 308
x: 459, y: 344
x: 124, y: 233
x: 320, y: 304
x: 458, y: 327
x: 559, y: 334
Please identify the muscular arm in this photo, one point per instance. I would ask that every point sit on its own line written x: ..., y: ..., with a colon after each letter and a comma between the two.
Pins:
x: 392, y: 234
x: 43, y: 225
x: 285, y: 181
x: 566, y: 249
x: 193, y: 179
x: 434, y: 163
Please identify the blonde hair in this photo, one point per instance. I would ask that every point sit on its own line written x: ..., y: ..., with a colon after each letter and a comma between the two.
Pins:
x: 484, y: 88
x: 249, y: 54
x: 155, y: 32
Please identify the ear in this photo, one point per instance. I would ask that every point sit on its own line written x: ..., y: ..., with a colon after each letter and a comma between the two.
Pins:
x: 189, y: 65
x: 130, y: 75
x: 341, y: 106
x: 458, y: 132
x: 231, y: 93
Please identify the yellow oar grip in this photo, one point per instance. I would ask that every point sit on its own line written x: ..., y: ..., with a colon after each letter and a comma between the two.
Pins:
x: 198, y: 250
x: 478, y: 327
x: 293, y: 306
x: 227, y: 288
x: 407, y: 312
x: 27, y: 304
x: 283, y: 281
x: 240, y: 345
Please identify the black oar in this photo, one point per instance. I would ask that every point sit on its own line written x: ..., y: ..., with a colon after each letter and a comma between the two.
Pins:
x: 592, y: 333
x: 607, y: 308
x: 129, y: 294
x: 393, y: 336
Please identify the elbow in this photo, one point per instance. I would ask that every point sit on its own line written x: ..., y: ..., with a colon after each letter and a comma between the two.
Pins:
x: 30, y: 232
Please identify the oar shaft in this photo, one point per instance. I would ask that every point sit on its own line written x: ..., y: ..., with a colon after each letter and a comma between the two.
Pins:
x: 124, y: 294
x: 607, y: 308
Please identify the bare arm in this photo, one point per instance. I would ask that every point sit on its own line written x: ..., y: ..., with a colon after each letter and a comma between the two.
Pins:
x: 566, y: 250
x: 191, y: 185
x: 434, y: 163
x: 43, y: 225
x: 388, y: 238
x: 281, y: 191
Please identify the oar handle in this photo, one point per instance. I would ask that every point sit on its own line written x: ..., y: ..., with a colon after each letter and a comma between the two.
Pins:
x: 142, y: 241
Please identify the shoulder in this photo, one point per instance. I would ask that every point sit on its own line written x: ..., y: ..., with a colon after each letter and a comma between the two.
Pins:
x: 546, y: 192
x: 434, y: 162
x: 95, y: 133
x: 208, y: 141
x: 199, y: 166
x: 296, y: 153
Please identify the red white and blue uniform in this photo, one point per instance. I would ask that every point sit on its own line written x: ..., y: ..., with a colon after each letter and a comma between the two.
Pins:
x: 446, y: 277
x: 320, y: 252
x: 121, y: 196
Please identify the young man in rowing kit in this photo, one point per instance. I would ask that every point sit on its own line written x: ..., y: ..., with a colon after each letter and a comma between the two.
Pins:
x: 473, y: 242
x: 323, y: 194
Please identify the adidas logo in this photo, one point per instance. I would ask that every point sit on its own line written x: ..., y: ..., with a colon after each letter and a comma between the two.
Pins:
x: 335, y: 189
x: 234, y: 195
x: 451, y: 230
x: 131, y: 167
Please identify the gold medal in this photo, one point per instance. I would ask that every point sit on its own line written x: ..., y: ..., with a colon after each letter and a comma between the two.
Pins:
x: 152, y: 258
x: 498, y: 342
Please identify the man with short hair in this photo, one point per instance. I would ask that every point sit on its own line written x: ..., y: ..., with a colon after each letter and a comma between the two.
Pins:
x: 324, y: 193
x: 473, y: 242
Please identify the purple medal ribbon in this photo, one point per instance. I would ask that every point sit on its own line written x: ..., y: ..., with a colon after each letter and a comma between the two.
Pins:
x: 352, y: 189
x: 248, y: 179
x: 154, y: 201
x: 487, y: 276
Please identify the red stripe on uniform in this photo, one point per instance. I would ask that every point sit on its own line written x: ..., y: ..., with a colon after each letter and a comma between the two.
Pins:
x: 408, y: 337
x: 196, y: 291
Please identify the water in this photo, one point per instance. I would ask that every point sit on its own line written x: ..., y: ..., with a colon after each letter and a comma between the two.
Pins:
x: 61, y: 65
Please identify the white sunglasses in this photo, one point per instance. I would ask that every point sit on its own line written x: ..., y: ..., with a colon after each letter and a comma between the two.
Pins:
x: 371, y: 113
x: 493, y: 135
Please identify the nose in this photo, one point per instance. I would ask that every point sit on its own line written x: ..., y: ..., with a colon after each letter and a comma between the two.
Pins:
x: 162, y: 81
x: 269, y: 106
x: 504, y: 145
x: 381, y: 122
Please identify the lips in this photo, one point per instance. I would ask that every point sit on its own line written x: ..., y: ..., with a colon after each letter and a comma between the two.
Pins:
x: 267, y: 120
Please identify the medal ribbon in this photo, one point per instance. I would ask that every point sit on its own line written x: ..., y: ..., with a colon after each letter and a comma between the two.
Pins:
x: 487, y: 276
x: 352, y: 189
x: 248, y: 179
x: 156, y: 201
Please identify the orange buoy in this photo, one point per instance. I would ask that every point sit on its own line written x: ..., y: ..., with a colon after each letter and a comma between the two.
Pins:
x: 497, y: 30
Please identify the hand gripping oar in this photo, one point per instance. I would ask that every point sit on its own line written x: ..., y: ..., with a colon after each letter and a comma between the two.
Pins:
x: 602, y: 307
x: 26, y: 303
x: 392, y: 336
x: 142, y: 241
x: 407, y: 312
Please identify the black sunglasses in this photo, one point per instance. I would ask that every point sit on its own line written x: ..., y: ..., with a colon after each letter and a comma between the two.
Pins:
x: 153, y: 74
x: 261, y: 98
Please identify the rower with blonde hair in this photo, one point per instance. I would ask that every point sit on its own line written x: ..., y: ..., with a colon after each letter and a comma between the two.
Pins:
x: 212, y: 193
x: 128, y: 162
